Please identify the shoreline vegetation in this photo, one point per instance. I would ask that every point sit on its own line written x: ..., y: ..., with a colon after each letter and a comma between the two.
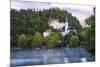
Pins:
x: 27, y: 27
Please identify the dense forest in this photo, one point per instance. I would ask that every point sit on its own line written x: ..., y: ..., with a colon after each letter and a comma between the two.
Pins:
x: 27, y: 27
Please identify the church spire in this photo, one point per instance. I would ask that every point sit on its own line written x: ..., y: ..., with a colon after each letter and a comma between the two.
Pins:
x: 66, y: 22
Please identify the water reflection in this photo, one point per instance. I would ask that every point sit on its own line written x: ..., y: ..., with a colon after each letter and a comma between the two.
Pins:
x: 21, y: 57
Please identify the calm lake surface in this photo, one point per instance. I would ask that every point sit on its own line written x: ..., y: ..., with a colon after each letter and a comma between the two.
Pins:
x: 22, y: 57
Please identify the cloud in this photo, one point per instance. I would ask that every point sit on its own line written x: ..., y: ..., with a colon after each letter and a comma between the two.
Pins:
x: 28, y: 5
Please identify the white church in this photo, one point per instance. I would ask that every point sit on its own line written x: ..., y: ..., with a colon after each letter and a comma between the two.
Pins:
x: 57, y: 25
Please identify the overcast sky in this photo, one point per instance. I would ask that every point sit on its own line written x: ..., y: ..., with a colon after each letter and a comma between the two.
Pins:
x: 80, y: 11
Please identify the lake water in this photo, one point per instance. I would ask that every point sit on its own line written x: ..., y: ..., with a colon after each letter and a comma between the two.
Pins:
x: 22, y: 57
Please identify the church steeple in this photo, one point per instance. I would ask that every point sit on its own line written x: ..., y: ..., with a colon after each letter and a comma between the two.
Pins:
x: 66, y: 22
x: 66, y: 19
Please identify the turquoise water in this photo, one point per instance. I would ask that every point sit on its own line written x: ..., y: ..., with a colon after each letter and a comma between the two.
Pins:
x: 22, y: 57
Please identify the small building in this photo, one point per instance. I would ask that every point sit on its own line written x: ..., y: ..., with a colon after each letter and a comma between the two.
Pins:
x: 46, y: 33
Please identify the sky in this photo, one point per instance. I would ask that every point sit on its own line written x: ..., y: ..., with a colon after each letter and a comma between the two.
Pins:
x: 81, y: 12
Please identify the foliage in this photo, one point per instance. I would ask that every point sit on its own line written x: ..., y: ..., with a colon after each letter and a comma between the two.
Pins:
x: 72, y: 21
x: 52, y: 40
x: 68, y: 36
x: 29, y: 41
x: 61, y: 40
x: 29, y: 21
x: 37, y: 40
x: 22, y: 40
x: 74, y: 41
x: 89, y: 35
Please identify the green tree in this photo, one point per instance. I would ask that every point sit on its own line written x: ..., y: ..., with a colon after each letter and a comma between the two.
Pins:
x: 52, y: 40
x: 22, y: 40
x: 89, y: 35
x: 69, y: 35
x: 61, y: 39
x: 29, y: 40
x: 37, y: 40
x: 29, y: 21
x: 74, y: 41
